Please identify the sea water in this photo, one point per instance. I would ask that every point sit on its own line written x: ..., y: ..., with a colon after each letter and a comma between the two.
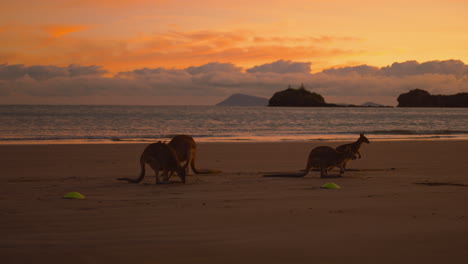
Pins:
x: 123, y: 124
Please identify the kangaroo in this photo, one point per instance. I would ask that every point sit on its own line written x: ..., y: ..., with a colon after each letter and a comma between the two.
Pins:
x: 186, y: 150
x: 324, y: 158
x: 355, y: 146
x: 160, y: 157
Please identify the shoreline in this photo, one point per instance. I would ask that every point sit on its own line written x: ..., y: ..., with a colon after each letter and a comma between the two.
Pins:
x: 228, y: 140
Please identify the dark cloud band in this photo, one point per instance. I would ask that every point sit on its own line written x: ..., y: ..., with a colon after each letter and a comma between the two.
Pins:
x: 223, y: 79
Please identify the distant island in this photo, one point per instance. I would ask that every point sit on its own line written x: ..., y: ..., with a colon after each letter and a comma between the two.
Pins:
x: 244, y: 100
x: 299, y: 97
x: 422, y: 98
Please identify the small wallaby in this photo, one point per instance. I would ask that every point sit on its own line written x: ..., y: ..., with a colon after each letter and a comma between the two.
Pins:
x: 355, y: 146
x: 324, y: 158
x: 160, y: 157
x: 186, y: 150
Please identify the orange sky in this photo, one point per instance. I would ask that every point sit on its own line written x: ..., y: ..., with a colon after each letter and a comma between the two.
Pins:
x: 122, y: 35
x: 200, y: 52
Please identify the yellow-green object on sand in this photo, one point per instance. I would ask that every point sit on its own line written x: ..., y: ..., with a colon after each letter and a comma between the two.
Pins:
x: 330, y: 185
x: 73, y: 195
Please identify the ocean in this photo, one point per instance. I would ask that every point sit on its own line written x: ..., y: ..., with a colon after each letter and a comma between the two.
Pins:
x: 52, y: 124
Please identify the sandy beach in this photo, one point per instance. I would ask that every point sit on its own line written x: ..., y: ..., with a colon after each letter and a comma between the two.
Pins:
x: 403, y: 202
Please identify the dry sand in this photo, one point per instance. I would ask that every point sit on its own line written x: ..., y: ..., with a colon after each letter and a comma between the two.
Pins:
x: 378, y: 216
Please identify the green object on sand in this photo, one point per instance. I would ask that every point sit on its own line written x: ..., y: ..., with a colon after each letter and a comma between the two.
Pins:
x: 73, y: 195
x: 330, y: 185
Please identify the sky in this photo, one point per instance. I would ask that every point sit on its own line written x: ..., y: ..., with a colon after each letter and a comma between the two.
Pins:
x: 199, y: 52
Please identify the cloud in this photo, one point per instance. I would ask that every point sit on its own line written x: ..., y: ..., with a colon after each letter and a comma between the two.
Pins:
x: 282, y: 66
x: 213, y: 67
x: 181, y: 49
x: 353, y: 85
x: 45, y: 72
x: 11, y: 72
x: 361, y: 70
x: 60, y: 30
x: 55, y: 43
x: 146, y: 72
x: 212, y: 82
x: 453, y: 67
x: 78, y: 70
x: 400, y: 69
x: 310, y: 40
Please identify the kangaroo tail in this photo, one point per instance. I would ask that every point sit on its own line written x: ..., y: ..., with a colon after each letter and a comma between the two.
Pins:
x: 201, y: 171
x: 142, y: 173
x: 293, y: 175
x: 287, y: 175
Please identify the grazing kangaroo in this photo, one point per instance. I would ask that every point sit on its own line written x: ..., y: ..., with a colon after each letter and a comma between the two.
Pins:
x: 160, y: 157
x: 186, y: 150
x: 355, y: 146
x: 324, y: 158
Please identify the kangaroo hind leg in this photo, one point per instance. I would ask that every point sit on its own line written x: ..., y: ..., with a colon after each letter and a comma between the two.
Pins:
x: 155, y: 166
x: 190, y: 155
x: 323, y: 172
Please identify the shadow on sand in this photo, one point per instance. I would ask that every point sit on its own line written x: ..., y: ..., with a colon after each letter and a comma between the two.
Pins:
x: 428, y: 183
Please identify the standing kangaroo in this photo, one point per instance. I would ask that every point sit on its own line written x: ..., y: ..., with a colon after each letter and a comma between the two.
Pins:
x: 324, y: 158
x: 355, y: 146
x: 186, y: 150
x: 160, y: 157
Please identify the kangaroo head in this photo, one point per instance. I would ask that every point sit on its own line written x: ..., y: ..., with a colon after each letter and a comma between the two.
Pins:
x: 363, y: 138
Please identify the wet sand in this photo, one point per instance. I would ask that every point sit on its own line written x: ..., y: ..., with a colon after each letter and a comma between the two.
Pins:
x: 403, y: 202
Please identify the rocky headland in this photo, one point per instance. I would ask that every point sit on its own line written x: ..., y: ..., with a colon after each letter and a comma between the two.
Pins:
x: 422, y: 98
x: 299, y: 97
